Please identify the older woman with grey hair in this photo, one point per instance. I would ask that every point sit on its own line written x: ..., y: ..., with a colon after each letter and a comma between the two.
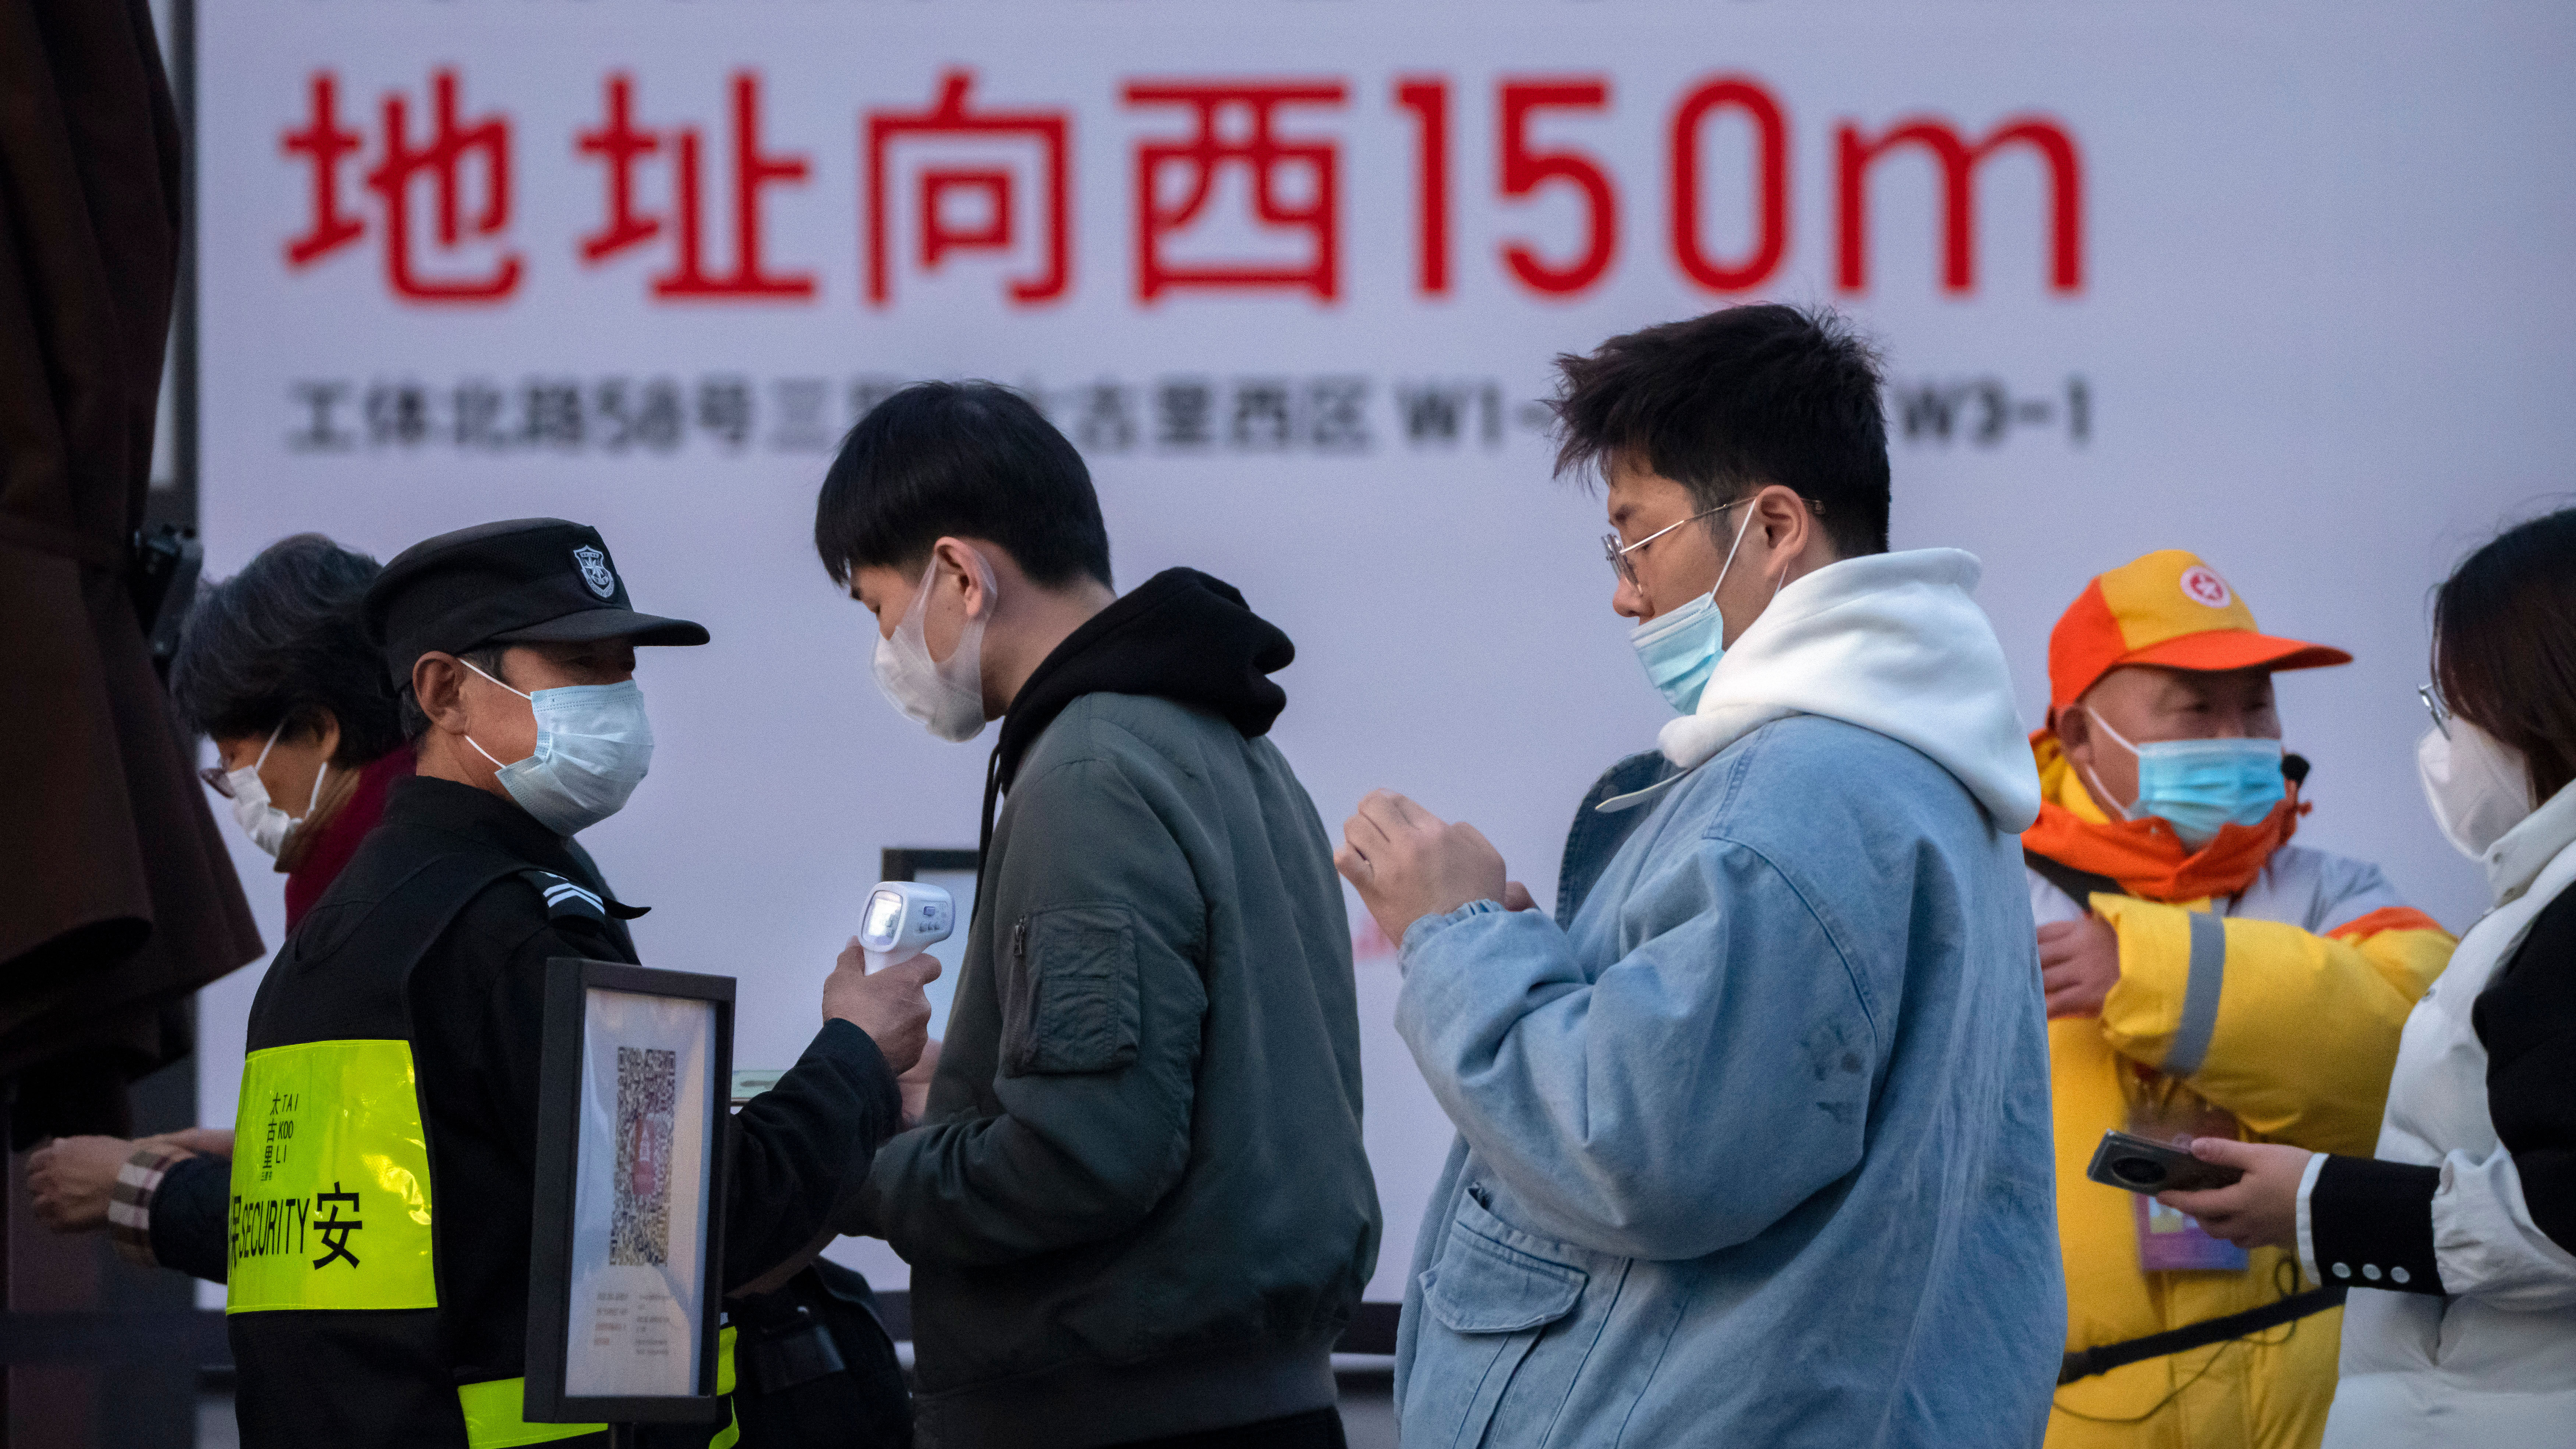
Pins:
x: 275, y: 667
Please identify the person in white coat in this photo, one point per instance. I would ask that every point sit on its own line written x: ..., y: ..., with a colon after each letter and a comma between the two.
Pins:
x: 2459, y: 1236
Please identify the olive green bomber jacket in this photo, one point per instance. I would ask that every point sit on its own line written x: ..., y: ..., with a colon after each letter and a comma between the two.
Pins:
x: 1138, y: 1203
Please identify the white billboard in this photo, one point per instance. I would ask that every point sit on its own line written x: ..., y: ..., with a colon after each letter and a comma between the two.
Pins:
x: 2282, y: 284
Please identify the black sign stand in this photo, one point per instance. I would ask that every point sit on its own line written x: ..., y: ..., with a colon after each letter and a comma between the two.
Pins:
x: 569, y: 982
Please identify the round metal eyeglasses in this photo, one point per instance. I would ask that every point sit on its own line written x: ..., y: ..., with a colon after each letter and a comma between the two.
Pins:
x: 1617, y: 552
x: 2436, y: 706
x: 1626, y: 568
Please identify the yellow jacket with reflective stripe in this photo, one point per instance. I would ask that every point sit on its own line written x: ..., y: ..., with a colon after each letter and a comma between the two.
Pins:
x: 2282, y: 1006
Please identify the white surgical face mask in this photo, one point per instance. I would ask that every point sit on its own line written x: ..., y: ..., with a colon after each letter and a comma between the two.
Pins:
x: 265, y: 824
x: 593, y: 748
x: 946, y: 696
x: 2478, y: 786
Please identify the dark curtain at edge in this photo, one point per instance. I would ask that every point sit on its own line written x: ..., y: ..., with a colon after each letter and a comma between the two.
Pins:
x: 117, y: 898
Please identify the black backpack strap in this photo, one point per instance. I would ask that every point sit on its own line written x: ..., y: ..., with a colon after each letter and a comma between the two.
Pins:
x: 419, y: 910
x: 817, y: 1364
x: 366, y: 949
x: 2079, y: 885
x: 2101, y: 1360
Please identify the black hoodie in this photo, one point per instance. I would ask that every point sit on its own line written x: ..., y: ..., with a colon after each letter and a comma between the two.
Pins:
x: 1184, y: 636
x: 1139, y: 1205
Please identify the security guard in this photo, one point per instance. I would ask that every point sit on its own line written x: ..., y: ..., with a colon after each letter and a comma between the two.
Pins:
x: 381, y: 1199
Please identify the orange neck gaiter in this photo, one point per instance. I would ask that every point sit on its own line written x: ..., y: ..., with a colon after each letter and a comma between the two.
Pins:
x: 2144, y: 855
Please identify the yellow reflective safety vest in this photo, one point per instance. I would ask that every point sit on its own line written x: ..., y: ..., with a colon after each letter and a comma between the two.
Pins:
x: 332, y: 1149
x: 493, y: 1420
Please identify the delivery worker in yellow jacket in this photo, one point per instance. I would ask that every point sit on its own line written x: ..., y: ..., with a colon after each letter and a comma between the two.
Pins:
x: 2205, y: 977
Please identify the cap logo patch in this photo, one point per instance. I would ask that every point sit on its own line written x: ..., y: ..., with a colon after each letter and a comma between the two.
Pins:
x: 2200, y: 584
x: 594, y: 572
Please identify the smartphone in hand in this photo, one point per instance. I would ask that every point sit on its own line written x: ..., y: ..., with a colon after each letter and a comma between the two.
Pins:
x: 2148, y: 1167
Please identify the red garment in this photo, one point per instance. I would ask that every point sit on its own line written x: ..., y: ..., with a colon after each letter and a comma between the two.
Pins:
x: 342, y: 832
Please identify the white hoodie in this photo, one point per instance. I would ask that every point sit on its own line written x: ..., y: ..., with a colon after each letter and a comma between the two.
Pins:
x: 1890, y: 642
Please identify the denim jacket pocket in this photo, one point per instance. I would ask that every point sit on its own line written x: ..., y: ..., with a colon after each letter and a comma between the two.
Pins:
x: 1489, y: 1303
x: 1481, y: 1286
x: 1070, y: 999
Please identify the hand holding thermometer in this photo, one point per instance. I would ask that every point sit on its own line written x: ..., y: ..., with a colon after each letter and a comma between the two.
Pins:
x: 904, y: 919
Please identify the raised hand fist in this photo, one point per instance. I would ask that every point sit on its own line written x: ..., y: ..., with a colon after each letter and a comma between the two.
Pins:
x: 1408, y: 863
x: 69, y: 1180
x: 2079, y: 963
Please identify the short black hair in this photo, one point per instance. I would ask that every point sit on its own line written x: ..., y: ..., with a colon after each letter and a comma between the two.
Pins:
x: 1736, y: 400
x: 964, y: 459
x: 281, y: 642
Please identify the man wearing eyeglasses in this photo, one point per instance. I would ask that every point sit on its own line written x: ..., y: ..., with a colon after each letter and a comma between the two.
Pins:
x: 1753, y: 1136
x: 2206, y: 977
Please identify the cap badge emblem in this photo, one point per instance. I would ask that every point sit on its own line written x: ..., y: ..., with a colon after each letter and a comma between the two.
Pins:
x: 2202, y: 585
x: 594, y: 571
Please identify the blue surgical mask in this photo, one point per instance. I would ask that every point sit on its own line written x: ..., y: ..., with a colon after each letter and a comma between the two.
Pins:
x: 2198, y: 786
x: 1679, y: 648
x: 593, y: 748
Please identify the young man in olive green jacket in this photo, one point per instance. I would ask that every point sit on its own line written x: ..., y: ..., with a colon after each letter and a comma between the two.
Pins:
x: 1137, y: 1206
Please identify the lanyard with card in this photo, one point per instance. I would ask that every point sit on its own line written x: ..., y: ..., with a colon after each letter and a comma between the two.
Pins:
x: 2163, y: 1110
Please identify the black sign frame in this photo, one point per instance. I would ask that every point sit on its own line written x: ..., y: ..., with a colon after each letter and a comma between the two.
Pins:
x: 569, y: 981
x: 906, y: 862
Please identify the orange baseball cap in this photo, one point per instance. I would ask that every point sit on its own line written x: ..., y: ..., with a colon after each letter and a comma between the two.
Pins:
x: 2170, y: 609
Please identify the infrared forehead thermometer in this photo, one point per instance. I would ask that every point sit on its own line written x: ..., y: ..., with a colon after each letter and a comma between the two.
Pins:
x: 905, y: 918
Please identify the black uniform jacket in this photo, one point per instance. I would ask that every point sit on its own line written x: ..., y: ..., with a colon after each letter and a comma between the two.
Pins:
x: 476, y: 998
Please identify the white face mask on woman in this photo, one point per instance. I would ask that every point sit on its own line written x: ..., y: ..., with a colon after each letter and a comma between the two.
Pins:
x: 2479, y: 786
x: 946, y: 696
x: 265, y: 824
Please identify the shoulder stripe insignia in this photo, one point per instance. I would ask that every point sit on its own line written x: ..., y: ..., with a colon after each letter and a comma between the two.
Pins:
x: 564, y: 898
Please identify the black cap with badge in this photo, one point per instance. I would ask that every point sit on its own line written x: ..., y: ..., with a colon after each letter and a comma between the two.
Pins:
x: 524, y: 581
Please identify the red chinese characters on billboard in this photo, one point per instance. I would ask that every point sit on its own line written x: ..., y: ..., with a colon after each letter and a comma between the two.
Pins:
x: 953, y: 117
x: 1234, y: 185
x: 418, y: 267
x: 1293, y: 183
x: 621, y: 146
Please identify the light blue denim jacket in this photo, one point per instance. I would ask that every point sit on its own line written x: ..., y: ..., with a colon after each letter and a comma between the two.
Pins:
x: 1755, y: 1150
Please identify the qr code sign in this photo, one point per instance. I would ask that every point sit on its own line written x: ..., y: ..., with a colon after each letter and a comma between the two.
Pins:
x: 639, y: 1225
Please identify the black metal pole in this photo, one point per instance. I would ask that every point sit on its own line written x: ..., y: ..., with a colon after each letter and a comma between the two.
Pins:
x: 183, y: 321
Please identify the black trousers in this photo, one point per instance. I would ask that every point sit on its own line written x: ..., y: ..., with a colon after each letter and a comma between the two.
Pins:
x: 1315, y: 1429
